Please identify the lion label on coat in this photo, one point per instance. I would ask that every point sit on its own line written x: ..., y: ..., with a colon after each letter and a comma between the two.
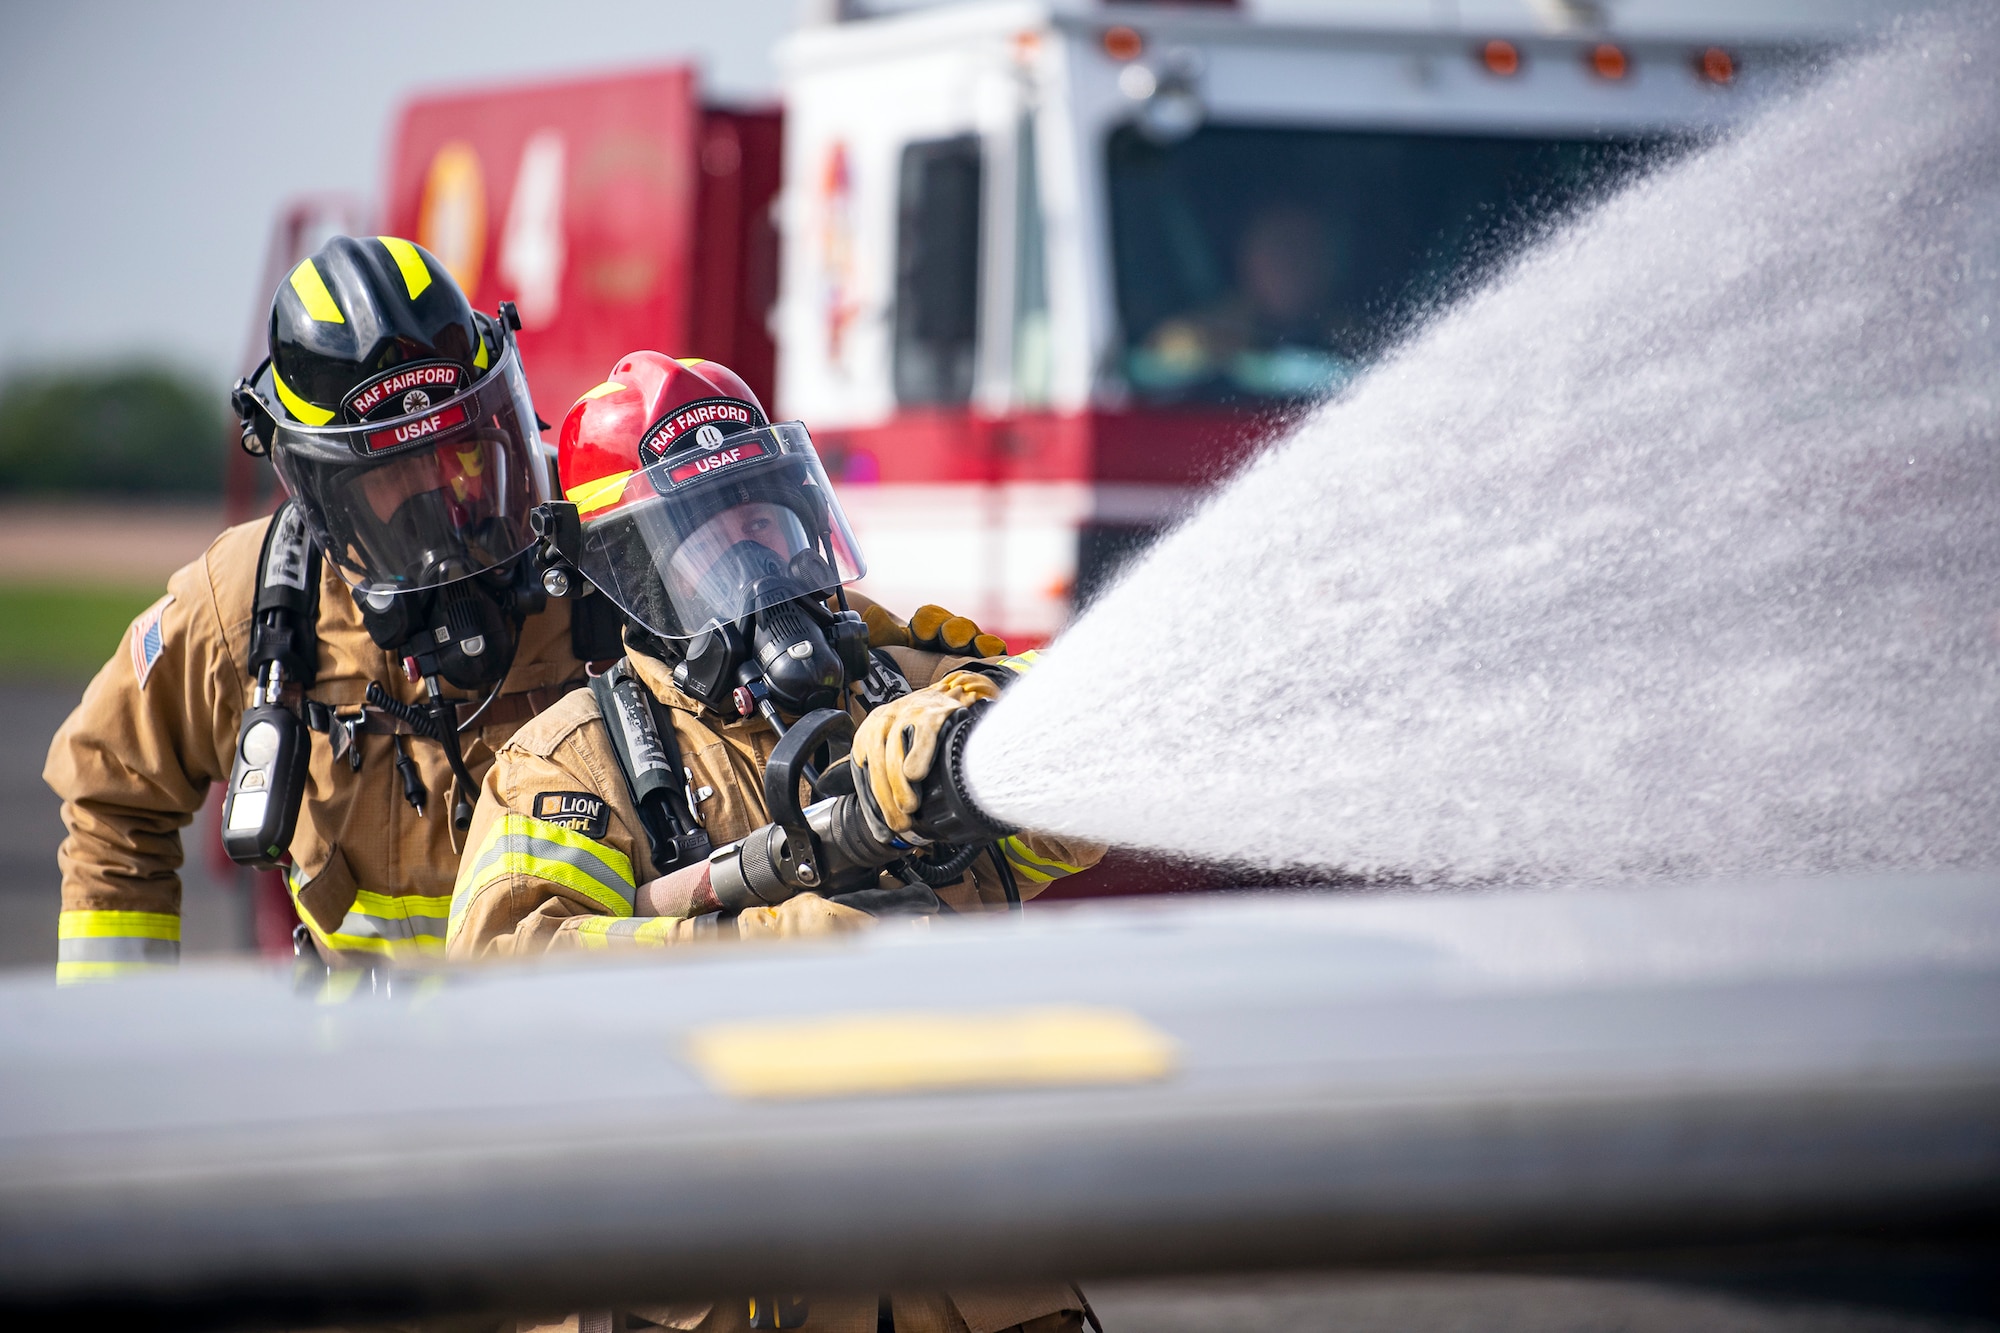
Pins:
x: 577, y: 811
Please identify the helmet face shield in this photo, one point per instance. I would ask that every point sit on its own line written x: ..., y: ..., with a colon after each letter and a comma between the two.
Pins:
x: 711, y: 537
x: 425, y: 498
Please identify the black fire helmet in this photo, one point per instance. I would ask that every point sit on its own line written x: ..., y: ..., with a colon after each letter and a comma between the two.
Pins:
x: 356, y: 311
x: 398, y: 418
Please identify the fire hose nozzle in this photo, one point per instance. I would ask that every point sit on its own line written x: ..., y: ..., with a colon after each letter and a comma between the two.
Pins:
x: 834, y: 844
x: 761, y: 870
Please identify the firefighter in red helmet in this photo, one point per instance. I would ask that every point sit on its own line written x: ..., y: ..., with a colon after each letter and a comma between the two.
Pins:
x: 720, y: 538
x: 621, y: 817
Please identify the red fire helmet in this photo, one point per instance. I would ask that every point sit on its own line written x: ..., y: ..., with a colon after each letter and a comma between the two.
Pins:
x: 602, y: 434
x: 696, y: 510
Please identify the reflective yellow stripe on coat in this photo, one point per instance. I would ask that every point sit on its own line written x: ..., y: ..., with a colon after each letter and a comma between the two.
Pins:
x: 1022, y: 663
x: 604, y: 932
x: 1033, y: 867
x: 91, y: 946
x: 520, y: 845
x: 398, y: 927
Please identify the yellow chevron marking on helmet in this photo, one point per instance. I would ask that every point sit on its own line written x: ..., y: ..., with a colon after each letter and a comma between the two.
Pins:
x: 311, y: 288
x: 416, y: 276
x: 591, y: 496
x: 601, y: 390
x: 301, y: 410
x: 692, y: 361
x: 479, y: 357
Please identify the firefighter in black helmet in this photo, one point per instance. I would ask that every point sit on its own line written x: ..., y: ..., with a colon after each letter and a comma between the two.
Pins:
x: 388, y: 625
x: 401, y: 424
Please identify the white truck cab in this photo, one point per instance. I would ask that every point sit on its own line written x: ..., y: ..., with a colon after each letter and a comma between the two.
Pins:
x: 1049, y: 271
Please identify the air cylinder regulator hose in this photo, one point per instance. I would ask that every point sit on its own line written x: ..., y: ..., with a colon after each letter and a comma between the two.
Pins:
x: 439, y: 723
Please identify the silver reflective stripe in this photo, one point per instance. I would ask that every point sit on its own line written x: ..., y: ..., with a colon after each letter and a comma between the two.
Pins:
x: 524, y: 845
x: 117, y: 949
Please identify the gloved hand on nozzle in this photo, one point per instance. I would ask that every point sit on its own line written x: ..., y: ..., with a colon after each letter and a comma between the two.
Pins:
x: 895, y: 745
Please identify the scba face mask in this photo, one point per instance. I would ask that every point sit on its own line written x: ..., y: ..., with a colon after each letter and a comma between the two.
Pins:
x: 422, y: 500
x: 727, y: 549
x: 466, y: 630
x: 708, y: 537
x: 426, y: 496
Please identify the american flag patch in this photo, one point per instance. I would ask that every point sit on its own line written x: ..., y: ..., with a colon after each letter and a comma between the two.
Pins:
x: 148, y: 639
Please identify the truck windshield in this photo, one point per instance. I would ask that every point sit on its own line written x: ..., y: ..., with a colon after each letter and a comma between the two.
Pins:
x: 1261, y: 264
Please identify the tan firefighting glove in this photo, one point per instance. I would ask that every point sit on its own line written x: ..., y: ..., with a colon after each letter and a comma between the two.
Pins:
x: 796, y: 918
x: 894, y: 745
x: 932, y: 629
x: 937, y: 630
x: 884, y: 630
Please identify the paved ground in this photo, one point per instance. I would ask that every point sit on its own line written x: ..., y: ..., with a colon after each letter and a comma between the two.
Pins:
x: 65, y: 541
x: 214, y: 913
x: 1476, y: 1303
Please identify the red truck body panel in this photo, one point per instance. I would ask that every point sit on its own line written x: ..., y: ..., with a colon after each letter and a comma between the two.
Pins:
x: 736, y: 260
x: 1182, y: 446
x: 616, y: 212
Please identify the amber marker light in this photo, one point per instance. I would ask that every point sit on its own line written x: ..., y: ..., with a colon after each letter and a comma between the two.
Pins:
x: 1715, y: 65
x: 1607, y: 61
x: 1501, y: 57
x: 1122, y: 43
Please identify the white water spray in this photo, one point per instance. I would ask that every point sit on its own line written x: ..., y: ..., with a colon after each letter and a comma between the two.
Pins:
x: 1674, y: 551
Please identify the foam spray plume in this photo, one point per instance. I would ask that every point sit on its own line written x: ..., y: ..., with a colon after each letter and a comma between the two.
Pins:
x: 1674, y: 551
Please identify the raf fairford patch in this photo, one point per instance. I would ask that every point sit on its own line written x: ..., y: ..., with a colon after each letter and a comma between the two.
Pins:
x: 149, y: 638
x: 574, y: 810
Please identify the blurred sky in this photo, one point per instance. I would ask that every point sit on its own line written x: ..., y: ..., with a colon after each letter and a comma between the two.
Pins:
x: 145, y: 145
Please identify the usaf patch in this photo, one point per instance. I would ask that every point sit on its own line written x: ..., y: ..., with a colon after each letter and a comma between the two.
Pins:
x: 576, y: 811
x: 149, y: 639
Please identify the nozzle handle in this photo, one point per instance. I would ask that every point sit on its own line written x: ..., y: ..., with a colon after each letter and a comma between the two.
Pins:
x: 790, y: 762
x: 948, y: 813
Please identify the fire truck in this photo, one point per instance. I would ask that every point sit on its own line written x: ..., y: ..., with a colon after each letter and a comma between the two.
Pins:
x: 1036, y: 274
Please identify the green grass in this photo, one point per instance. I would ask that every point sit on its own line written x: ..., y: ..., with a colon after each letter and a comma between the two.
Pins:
x: 51, y: 631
